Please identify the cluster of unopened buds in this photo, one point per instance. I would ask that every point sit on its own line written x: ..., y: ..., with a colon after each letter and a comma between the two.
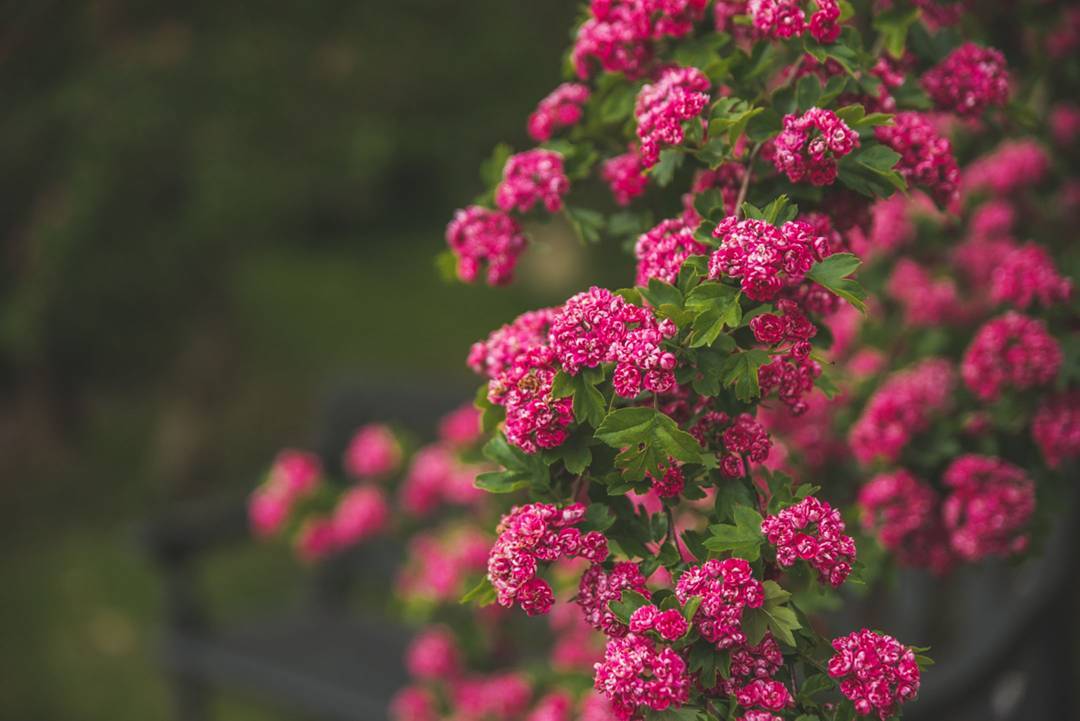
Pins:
x: 810, y: 145
x: 533, y: 534
x: 812, y: 531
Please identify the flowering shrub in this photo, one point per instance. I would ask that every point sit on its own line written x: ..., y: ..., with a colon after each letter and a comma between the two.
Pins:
x: 666, y: 468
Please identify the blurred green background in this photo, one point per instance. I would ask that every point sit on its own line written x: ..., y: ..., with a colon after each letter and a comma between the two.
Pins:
x: 211, y: 210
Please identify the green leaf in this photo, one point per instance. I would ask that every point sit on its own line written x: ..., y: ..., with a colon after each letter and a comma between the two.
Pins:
x: 648, y: 438
x: 660, y: 293
x: 521, y: 470
x: 664, y: 171
x: 575, y: 453
x: 619, y: 103
x: 779, y: 211
x: 813, y: 685
x: 446, y: 264
x: 599, y: 517
x: 717, y: 306
x: 587, y: 223
x: 691, y: 607
x: 491, y: 170
x: 482, y: 594
x: 832, y: 274
x: 893, y: 25
x: 780, y: 618
x: 807, y: 92
x: 741, y: 373
x: 629, y: 602
x: 743, y: 539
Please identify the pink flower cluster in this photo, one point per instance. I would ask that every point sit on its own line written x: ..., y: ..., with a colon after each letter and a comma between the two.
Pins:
x: 433, y: 655
x: 758, y: 252
x: 1027, y: 275
x: 414, y: 703
x: 927, y: 302
x: 680, y: 94
x: 436, y: 477
x: 1056, y: 428
x: 561, y: 108
x: 810, y: 145
x: 598, y: 588
x: 501, y: 697
x: 498, y: 353
x: 619, y: 34
x: 636, y: 673
x: 373, y: 452
x: 671, y: 484
x: 555, y: 706
x: 726, y: 587
x: 596, y: 326
x: 875, y: 672
x: 988, y: 508
x: 743, y: 437
x: 625, y: 176
x: 480, y: 237
x: 360, y: 514
x: 783, y: 19
x: 534, y: 419
x: 904, y: 514
x: 461, y: 427
x: 926, y: 156
x: 536, y: 533
x: 295, y: 474
x: 438, y: 564
x: 813, y: 531
x: 765, y: 693
x: 662, y: 250
x: 753, y: 662
x: 669, y: 625
x: 535, y: 176
x: 903, y: 406
x: 1011, y: 351
x: 1015, y: 165
x: 968, y: 81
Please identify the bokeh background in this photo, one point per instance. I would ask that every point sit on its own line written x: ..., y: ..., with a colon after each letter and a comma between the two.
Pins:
x: 213, y: 214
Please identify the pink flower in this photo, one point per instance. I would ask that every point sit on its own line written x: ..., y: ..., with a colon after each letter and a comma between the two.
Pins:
x: 414, y: 703
x: 501, y: 697
x: 777, y: 19
x: 534, y: 419
x: 926, y: 157
x: 904, y: 514
x: 764, y: 257
x: 927, y: 302
x: 671, y: 484
x: 766, y: 693
x: 530, y: 535
x: 372, y: 452
x: 902, y: 407
x: 617, y: 37
x: 661, y: 108
x: 433, y: 655
x: 1011, y: 351
x: 498, y: 353
x: 599, y: 588
x: 809, y: 146
x: 727, y: 179
x: 1027, y: 275
x: 480, y: 237
x: 875, y: 672
x: 813, y: 531
x: 623, y: 174
x: 1056, y: 428
x: 360, y: 514
x: 1065, y: 124
x: 436, y: 477
x: 636, y: 674
x: 267, y: 511
x: 532, y: 177
x: 726, y: 588
x: 556, y: 706
x: 989, y: 507
x: 438, y: 565
x: 662, y: 250
x: 295, y: 473
x: 461, y: 427
x: 1014, y: 165
x: 970, y: 80
x: 316, y: 539
x: 670, y: 624
x: 561, y: 108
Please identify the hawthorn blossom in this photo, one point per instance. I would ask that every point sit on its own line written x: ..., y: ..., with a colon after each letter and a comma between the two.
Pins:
x: 875, y: 672
x: 904, y: 514
x: 1010, y: 351
x: 765, y: 258
x: 813, y: 531
x: 662, y: 250
x: 561, y: 108
x: 638, y: 673
x: 598, y: 588
x: 535, y: 176
x: 726, y: 588
x: 810, y: 145
x: 968, y: 81
x: 625, y: 176
x: 988, y: 508
x: 1056, y: 428
x: 373, y: 452
x: 680, y: 94
x: 530, y: 535
x: 926, y: 157
x: 483, y: 238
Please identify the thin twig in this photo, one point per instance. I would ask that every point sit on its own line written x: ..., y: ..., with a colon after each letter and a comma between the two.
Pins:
x: 745, y: 187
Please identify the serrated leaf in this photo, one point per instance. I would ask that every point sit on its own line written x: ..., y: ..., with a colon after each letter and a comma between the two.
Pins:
x: 482, y: 594
x: 832, y: 274
x: 741, y: 373
x: 659, y: 293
